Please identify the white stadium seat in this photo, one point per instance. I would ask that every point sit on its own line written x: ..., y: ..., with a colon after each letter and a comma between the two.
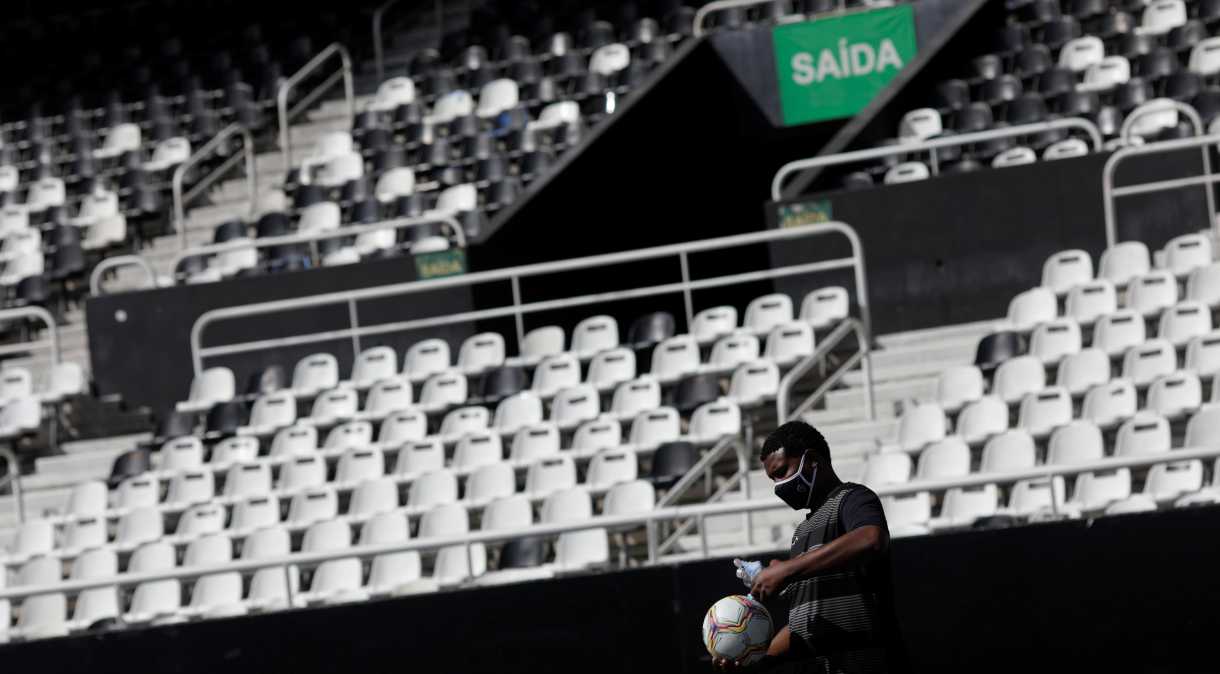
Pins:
x: 824, y: 307
x: 1203, y: 354
x: 1110, y: 403
x: 982, y: 418
x: 1076, y: 442
x: 958, y: 385
x: 1143, y: 434
x: 1089, y: 301
x: 944, y: 459
x: 1053, y: 340
x: 1175, y: 395
x: 1124, y: 261
x: 1009, y: 451
x: 1187, y: 252
x: 1145, y: 362
x: 1081, y: 371
x: 1034, y: 306
x: 1066, y: 269
x: 1043, y: 411
x: 920, y: 425
x: 1017, y: 377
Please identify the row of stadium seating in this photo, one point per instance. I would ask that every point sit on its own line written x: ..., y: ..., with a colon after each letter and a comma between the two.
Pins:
x: 1099, y: 60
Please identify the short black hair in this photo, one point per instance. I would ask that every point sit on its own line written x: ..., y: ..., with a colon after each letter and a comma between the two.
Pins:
x: 795, y: 438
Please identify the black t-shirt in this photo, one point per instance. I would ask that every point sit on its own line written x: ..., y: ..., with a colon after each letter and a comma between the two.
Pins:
x: 861, y: 507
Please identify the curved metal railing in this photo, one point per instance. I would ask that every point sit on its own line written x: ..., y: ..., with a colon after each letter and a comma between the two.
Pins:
x: 455, y: 228
x: 931, y: 146
x: 202, y: 153
x: 286, y: 88
x: 848, y: 326
x: 1110, y: 193
x: 518, y: 309
x: 117, y: 262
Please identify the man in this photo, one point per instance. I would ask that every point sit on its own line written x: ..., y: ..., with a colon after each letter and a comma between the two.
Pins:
x: 837, y: 577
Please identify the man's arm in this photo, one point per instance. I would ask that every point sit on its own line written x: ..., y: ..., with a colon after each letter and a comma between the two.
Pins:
x: 849, y: 549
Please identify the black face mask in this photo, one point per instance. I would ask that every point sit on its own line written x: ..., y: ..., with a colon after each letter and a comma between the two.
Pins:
x: 795, y: 490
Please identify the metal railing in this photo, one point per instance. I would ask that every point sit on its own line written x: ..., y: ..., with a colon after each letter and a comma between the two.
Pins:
x: 52, y: 342
x: 117, y: 262
x: 518, y: 309
x: 13, y: 477
x: 204, y: 152
x: 931, y: 146
x: 721, y: 5
x: 703, y: 469
x: 1110, y: 193
x: 848, y: 326
x: 454, y: 226
x: 281, y: 99
x: 1126, y: 132
x: 649, y: 521
x: 379, y: 33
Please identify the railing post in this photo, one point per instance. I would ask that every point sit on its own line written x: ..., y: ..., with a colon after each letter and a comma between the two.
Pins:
x: 686, y: 296
x: 179, y: 201
x: 518, y: 317
x: 353, y: 321
x: 14, y: 472
x: 291, y: 83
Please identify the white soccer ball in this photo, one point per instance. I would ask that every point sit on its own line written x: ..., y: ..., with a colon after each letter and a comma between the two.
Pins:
x: 737, y: 628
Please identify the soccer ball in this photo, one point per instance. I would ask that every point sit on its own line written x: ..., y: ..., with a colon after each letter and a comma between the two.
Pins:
x: 737, y: 628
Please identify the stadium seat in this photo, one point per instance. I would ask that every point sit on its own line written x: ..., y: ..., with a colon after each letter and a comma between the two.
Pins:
x: 1144, y: 363
x: 443, y: 390
x: 402, y: 427
x: 534, y: 441
x: 295, y: 440
x: 156, y: 600
x: 87, y: 499
x: 1097, y: 490
x: 907, y: 172
x: 463, y: 420
x: 674, y: 358
x: 140, y: 491
x: 432, y: 489
x: 574, y: 405
x: 1175, y: 395
x: 1088, y: 302
x: 214, y: 385
x: 887, y: 468
x: 944, y: 459
x: 1066, y: 269
x: 1184, y: 321
x: 337, y: 580
x: 1152, y: 292
x: 713, y: 322
x: 920, y: 124
x: 417, y: 458
x: 1124, y: 262
x: 611, y: 466
x: 1075, y: 442
x: 597, y: 434
x: 1043, y: 411
x: 1053, y: 340
x: 611, y: 367
x: 578, y: 549
x: 313, y: 505
x: 99, y: 603
x: 1108, y: 404
x: 1017, y: 377
x: 245, y: 480
x: 191, y: 487
x: 426, y: 358
x: 1040, y: 495
x: 958, y: 385
x: 271, y: 412
x: 1185, y: 253
x: 1203, y: 354
x: 255, y: 513
x: 1118, y: 332
x: 1203, y: 285
x: 1167, y: 482
x: 1083, y: 370
x: 518, y: 411
x: 788, y: 343
x: 908, y: 515
x: 981, y: 419
x: 594, y: 334
x: 181, y: 454
x: 301, y: 472
x: 269, y: 587
x: 732, y: 350
x: 824, y: 307
x: 963, y: 505
x: 1162, y: 16
x: 477, y: 449
x: 1031, y: 308
x: 920, y: 425
x: 556, y: 373
x: 540, y: 343
x: 1143, y: 434
x: 480, y: 352
x: 1009, y: 451
x: 490, y: 481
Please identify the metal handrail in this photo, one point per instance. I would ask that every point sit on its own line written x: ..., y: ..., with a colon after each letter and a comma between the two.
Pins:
x: 455, y: 227
x: 95, y: 278
x: 700, y: 469
x: 619, y: 522
x: 202, y: 153
x: 1109, y: 192
x: 931, y: 146
x: 1154, y: 106
x: 846, y: 327
x: 721, y: 5
x: 291, y: 83
x: 14, y: 477
x: 518, y: 309
x: 32, y: 312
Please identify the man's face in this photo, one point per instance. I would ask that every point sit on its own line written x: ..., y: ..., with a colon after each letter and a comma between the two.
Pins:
x: 778, y: 465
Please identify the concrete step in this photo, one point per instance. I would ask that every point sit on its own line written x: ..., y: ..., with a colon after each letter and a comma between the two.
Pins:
x: 860, y: 431
x: 975, y: 330
x: 884, y: 395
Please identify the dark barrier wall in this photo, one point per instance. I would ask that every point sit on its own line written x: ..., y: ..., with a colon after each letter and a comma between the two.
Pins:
x: 1126, y: 594
x: 140, y: 341
x: 957, y: 248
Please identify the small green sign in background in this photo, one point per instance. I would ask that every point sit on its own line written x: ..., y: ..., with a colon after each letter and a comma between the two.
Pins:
x: 832, y: 67
x: 441, y: 263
